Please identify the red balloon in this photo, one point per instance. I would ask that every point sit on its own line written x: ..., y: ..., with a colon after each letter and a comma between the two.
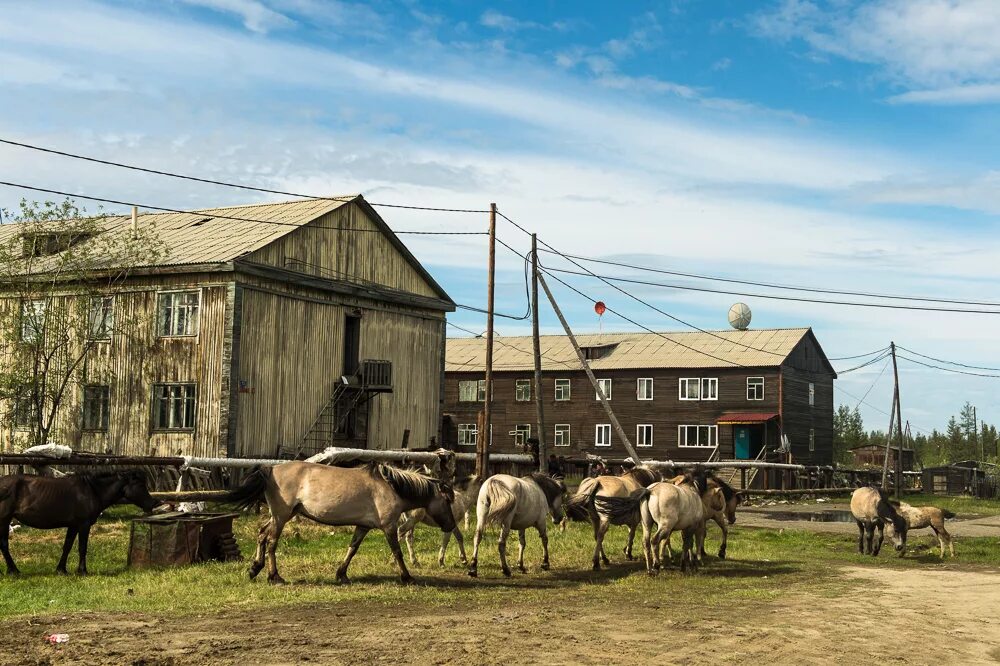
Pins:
x: 600, y: 308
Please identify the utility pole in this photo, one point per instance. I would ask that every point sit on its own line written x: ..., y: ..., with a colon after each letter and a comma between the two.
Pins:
x: 888, y: 441
x: 539, y: 409
x: 590, y: 374
x: 483, y: 438
x: 899, y: 425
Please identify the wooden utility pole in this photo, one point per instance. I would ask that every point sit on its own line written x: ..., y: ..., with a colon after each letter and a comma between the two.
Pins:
x: 483, y: 437
x: 590, y: 374
x: 539, y: 409
x: 888, y: 441
x: 899, y: 425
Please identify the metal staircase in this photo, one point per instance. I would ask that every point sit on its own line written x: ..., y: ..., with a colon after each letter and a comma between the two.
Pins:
x: 336, y: 418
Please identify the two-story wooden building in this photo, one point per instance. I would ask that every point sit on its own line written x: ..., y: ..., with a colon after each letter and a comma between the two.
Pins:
x: 267, y: 329
x: 679, y: 396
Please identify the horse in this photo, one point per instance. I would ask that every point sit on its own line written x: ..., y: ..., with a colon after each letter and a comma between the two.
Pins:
x: 368, y: 497
x: 722, y: 518
x: 518, y: 504
x: 593, y: 492
x: 459, y: 508
x: 684, y: 506
x: 74, y: 502
x: 919, y: 517
x: 872, y: 509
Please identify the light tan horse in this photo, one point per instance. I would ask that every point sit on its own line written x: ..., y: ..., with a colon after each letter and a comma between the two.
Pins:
x: 919, y: 517
x: 684, y: 506
x: 872, y: 510
x: 464, y: 499
x: 368, y: 497
x: 723, y: 517
x: 517, y: 504
x: 590, y: 503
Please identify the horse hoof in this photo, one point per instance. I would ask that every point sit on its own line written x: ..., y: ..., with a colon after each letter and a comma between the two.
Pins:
x: 254, y: 570
x: 473, y: 573
x: 407, y: 580
x: 522, y: 570
x: 597, y: 566
x: 81, y: 572
x: 545, y: 566
x: 652, y: 572
x: 62, y: 572
x: 275, y: 580
x: 507, y: 573
x: 343, y: 580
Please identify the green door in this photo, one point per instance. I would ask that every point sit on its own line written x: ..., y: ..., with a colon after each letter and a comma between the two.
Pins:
x: 741, y: 439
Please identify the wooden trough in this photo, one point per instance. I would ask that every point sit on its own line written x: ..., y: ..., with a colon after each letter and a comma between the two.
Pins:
x: 177, y: 538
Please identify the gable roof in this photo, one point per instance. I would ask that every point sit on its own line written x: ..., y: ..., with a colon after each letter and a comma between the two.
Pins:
x: 760, y: 348
x: 213, y: 236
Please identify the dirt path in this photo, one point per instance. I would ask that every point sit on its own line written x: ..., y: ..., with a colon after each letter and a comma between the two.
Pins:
x: 894, y: 616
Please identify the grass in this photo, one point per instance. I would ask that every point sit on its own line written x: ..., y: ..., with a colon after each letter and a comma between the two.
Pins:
x: 763, y: 565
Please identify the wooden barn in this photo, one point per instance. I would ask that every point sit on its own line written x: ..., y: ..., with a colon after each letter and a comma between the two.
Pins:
x: 680, y: 396
x: 269, y: 330
x: 960, y: 478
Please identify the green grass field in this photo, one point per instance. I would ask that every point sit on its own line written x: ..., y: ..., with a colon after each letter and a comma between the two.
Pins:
x: 762, y: 564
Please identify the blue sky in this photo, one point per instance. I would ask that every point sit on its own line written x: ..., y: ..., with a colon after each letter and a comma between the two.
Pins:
x: 835, y: 144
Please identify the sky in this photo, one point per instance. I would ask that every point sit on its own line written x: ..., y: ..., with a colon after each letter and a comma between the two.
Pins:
x: 837, y: 145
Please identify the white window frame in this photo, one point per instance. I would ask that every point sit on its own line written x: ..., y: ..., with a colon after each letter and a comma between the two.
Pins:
x: 32, y: 319
x: 521, y: 433
x: 812, y: 439
x: 561, y: 434
x: 757, y: 386
x: 812, y: 394
x: 605, y: 385
x: 640, y: 384
x: 187, y: 403
x: 684, y: 383
x: 519, y: 384
x: 602, y: 428
x: 711, y: 436
x: 463, y: 434
x: 563, y: 383
x: 480, y: 390
x: 644, y: 435
x: 712, y: 383
x: 170, y: 333
x: 101, y: 318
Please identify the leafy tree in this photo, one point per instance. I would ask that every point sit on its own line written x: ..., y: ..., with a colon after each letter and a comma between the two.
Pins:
x: 60, y: 271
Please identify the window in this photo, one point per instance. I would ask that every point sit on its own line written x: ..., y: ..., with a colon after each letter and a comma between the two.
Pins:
x: 173, y: 406
x: 561, y: 435
x: 709, y: 388
x: 605, y: 386
x: 101, y: 318
x: 755, y: 388
x: 466, y: 434
x: 522, y: 432
x: 25, y: 413
x: 522, y: 390
x: 644, y: 434
x: 812, y: 394
x: 700, y: 436
x: 96, y: 407
x: 32, y: 320
x: 689, y: 388
x: 812, y: 439
x: 644, y: 388
x: 177, y: 313
x: 472, y: 390
x: 940, y: 483
x: 602, y: 434
x: 562, y: 389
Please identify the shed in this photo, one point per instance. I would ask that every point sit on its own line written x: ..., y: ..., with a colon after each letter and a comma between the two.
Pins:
x: 960, y: 478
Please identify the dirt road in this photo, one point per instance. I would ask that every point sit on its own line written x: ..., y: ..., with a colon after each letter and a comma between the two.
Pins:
x: 892, y: 616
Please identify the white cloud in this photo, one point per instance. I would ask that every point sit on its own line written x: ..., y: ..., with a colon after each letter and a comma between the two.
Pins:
x: 494, y: 19
x: 946, y: 51
x: 256, y: 16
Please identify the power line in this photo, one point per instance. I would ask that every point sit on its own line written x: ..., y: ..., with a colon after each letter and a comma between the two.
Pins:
x: 798, y: 299
x: 223, y: 183
x: 877, y: 409
x: 953, y: 370
x: 865, y: 364
x: 939, y: 360
x: 881, y: 372
x: 848, y: 358
x: 772, y: 285
x: 499, y: 341
x: 230, y: 217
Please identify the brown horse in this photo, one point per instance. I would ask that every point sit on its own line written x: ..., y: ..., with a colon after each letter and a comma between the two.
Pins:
x: 590, y: 503
x: 74, y: 502
x: 464, y: 499
x: 872, y: 510
x: 919, y: 517
x: 369, y: 497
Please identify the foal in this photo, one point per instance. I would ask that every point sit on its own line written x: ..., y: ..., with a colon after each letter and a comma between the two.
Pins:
x: 872, y: 510
x: 919, y: 517
x: 463, y: 502
x: 684, y: 506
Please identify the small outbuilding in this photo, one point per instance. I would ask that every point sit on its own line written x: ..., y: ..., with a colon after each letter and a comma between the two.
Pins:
x: 961, y: 478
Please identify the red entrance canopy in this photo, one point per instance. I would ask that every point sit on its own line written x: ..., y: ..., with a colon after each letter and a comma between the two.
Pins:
x: 745, y: 418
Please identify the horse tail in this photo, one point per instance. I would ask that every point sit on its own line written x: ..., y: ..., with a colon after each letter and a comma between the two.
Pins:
x: 945, y: 513
x: 622, y: 510
x: 250, y: 491
x: 500, y: 503
x: 578, y: 506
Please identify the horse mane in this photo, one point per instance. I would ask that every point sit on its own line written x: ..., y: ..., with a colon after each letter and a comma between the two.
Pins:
x: 727, y: 490
x: 698, y: 479
x: 643, y: 475
x: 886, y: 510
x: 98, y: 480
x: 406, y: 484
x: 549, y: 486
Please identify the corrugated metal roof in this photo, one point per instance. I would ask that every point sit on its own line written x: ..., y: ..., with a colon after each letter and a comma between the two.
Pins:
x: 209, y: 235
x: 713, y: 349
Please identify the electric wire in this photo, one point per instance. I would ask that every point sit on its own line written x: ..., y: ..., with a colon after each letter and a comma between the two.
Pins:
x: 946, y: 362
x: 944, y: 369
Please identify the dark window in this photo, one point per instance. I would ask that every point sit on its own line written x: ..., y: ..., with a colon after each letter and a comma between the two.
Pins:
x: 101, y: 317
x: 522, y: 390
x: 174, y: 406
x: 96, y: 407
x: 177, y: 313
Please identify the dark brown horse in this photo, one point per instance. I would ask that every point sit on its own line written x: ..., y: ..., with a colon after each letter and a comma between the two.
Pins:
x: 73, y: 502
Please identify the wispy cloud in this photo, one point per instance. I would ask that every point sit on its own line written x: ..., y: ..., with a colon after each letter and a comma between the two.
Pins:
x: 256, y: 15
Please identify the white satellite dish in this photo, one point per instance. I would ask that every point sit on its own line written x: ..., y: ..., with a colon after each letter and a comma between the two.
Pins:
x: 739, y: 316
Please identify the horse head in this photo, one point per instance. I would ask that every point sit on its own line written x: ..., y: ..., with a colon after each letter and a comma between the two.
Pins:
x: 714, y: 499
x: 555, y: 493
x: 135, y: 491
x: 439, y: 507
x: 899, y: 529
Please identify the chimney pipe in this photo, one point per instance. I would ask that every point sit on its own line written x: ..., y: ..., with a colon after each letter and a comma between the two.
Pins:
x: 135, y: 221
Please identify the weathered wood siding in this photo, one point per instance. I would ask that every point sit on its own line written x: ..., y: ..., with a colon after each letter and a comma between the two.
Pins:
x: 806, y: 365
x: 132, y: 364
x: 362, y: 255
x: 583, y: 412
x: 291, y: 357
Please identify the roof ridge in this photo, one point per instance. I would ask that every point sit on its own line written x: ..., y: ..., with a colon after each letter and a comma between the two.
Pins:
x: 642, y: 333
